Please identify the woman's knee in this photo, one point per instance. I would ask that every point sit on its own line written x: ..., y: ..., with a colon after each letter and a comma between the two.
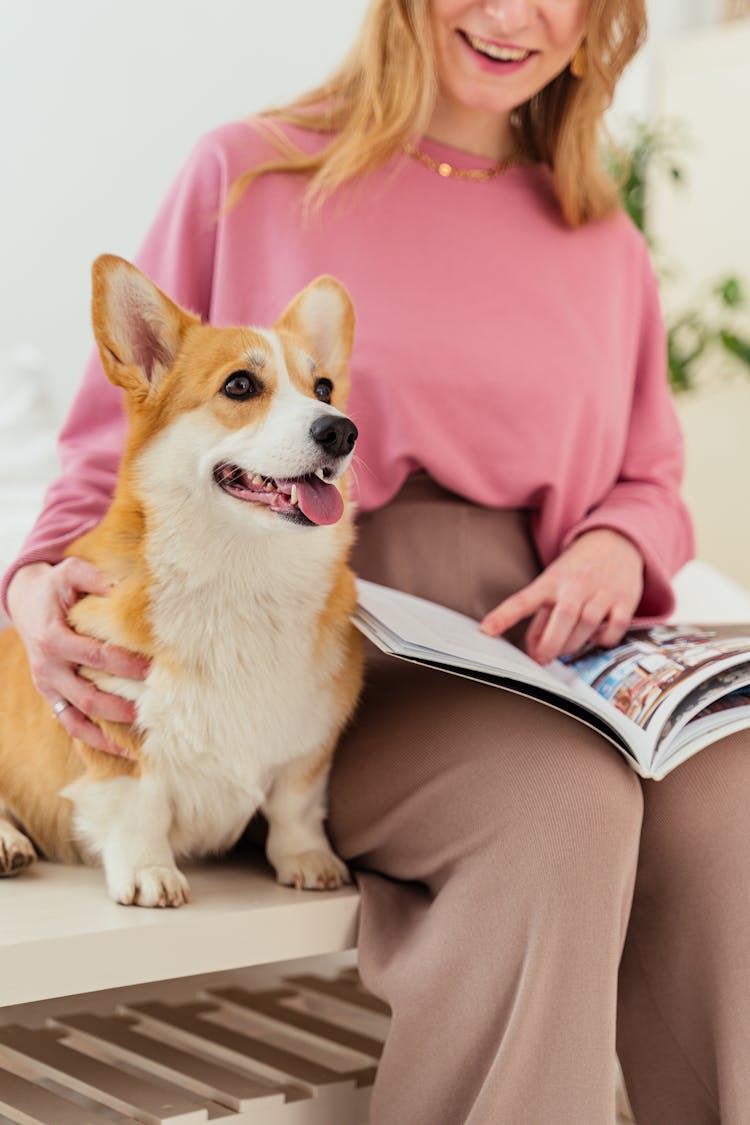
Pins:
x: 695, y: 839
x: 536, y: 792
x: 564, y: 804
x: 465, y: 771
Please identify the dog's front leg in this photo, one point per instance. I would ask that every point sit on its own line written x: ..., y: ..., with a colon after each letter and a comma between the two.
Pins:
x: 126, y: 822
x: 295, y: 808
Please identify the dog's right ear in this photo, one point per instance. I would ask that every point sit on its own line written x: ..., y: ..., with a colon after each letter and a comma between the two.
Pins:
x: 138, y: 329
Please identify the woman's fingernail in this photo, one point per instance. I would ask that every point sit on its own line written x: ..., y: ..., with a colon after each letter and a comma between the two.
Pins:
x: 119, y: 751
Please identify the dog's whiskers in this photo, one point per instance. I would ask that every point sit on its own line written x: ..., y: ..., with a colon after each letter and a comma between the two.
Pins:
x: 359, y: 462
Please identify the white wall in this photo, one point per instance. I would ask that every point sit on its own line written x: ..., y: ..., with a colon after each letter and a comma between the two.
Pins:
x: 703, y: 77
x: 666, y: 18
x: 100, y: 101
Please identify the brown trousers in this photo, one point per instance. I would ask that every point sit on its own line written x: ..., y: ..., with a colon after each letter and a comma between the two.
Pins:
x: 529, y: 905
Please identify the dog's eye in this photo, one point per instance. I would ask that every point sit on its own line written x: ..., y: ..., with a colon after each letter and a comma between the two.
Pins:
x: 324, y: 390
x: 241, y: 385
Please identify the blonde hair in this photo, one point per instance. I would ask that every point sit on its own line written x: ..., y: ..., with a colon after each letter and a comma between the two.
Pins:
x: 383, y: 94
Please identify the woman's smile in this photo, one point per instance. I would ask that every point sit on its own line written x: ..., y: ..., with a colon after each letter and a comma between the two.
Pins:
x: 496, y: 57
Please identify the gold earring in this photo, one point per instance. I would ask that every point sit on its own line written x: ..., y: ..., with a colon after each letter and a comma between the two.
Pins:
x: 579, y: 64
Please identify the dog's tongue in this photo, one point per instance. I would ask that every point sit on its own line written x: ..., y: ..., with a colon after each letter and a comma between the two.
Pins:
x: 322, y: 503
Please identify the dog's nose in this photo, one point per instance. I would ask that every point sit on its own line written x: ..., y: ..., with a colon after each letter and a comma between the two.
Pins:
x: 336, y: 435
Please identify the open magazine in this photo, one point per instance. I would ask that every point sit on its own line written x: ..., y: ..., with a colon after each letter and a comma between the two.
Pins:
x: 661, y: 695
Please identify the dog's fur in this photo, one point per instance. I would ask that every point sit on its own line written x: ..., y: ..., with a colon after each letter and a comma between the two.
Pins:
x: 243, y: 610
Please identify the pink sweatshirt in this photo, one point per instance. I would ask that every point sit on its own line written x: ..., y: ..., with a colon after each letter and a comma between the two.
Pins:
x: 521, y: 363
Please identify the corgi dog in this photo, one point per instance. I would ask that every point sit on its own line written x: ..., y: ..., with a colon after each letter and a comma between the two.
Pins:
x: 226, y: 544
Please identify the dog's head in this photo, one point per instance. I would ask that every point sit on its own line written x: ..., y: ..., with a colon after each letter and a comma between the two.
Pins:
x: 252, y: 417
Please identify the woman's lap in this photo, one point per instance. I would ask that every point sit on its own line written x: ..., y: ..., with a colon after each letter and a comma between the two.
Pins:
x: 494, y: 841
x: 434, y: 763
x: 481, y: 822
x: 529, y: 827
x: 435, y: 768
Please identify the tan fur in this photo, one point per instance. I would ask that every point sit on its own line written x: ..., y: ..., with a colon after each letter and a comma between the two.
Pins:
x: 334, y: 623
x: 37, y: 756
x: 291, y: 324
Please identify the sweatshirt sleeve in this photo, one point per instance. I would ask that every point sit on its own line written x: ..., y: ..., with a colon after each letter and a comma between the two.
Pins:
x: 645, y: 502
x: 178, y: 255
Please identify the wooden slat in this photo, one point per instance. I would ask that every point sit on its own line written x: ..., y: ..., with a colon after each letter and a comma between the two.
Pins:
x: 273, y: 1062
x: 269, y: 1004
x: 25, y: 1103
x: 344, y: 987
x: 350, y: 973
x: 201, y: 1076
x: 100, y: 1081
x: 338, y: 1012
x: 193, y: 1062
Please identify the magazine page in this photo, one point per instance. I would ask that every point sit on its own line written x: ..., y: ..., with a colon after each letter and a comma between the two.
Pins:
x: 658, y: 677
x: 721, y: 717
x: 431, y: 634
x: 632, y: 688
x: 419, y: 627
x: 721, y: 693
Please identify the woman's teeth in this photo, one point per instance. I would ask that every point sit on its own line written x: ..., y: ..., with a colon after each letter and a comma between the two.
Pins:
x: 502, y: 54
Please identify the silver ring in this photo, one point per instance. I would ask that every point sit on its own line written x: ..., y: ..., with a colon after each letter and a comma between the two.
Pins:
x: 59, y: 707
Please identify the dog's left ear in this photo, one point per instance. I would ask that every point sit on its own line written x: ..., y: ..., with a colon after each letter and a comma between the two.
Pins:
x: 139, y: 330
x: 323, y: 314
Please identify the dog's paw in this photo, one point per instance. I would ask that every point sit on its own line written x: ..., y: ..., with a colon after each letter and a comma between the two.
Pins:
x: 16, y: 851
x: 151, y: 886
x: 312, y: 871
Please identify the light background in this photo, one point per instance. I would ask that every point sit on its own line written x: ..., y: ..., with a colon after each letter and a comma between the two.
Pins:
x: 101, y: 101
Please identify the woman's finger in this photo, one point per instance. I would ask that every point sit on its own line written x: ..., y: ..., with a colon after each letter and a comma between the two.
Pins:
x: 78, y: 726
x: 87, y: 652
x: 537, y: 627
x: 73, y: 577
x: 593, y: 614
x: 89, y: 700
x: 515, y: 608
x: 555, y: 637
x: 615, y: 627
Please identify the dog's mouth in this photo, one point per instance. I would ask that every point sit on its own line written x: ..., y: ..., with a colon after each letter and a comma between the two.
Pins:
x: 307, y: 499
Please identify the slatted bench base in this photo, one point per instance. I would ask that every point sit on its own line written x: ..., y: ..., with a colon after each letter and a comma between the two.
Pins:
x: 301, y: 1050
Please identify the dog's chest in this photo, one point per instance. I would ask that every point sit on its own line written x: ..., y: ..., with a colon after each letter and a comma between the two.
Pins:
x: 250, y: 693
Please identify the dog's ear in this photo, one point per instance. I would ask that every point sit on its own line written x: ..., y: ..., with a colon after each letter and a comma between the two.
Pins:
x: 138, y: 329
x: 323, y: 314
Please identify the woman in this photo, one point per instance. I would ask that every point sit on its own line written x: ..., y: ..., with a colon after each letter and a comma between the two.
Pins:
x: 519, y: 460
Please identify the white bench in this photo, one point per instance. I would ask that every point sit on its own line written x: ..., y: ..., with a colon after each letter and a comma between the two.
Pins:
x: 60, y: 936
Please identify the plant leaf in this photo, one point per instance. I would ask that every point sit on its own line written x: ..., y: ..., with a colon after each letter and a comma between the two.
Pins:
x: 729, y: 289
x: 737, y: 346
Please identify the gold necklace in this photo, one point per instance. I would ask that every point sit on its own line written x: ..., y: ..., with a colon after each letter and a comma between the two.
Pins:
x: 443, y: 168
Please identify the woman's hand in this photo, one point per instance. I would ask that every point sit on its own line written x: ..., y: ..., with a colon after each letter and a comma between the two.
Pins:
x: 39, y: 598
x: 588, y: 594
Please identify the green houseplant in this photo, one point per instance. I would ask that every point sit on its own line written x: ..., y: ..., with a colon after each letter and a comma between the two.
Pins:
x: 708, y: 323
